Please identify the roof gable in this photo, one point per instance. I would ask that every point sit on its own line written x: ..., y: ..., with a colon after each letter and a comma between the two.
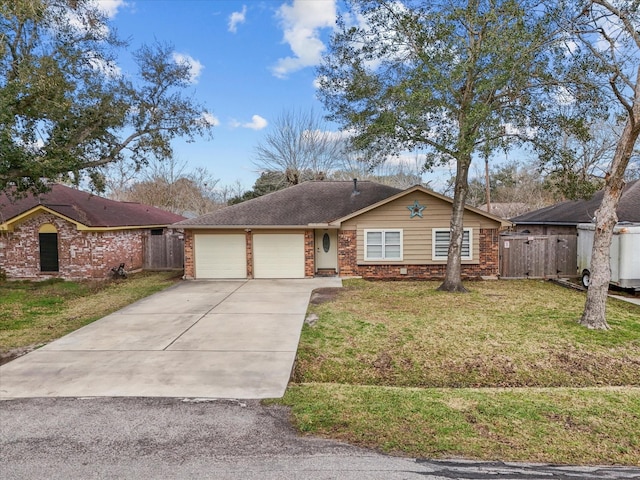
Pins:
x: 86, y: 210
x: 426, y: 191
x: 573, y: 212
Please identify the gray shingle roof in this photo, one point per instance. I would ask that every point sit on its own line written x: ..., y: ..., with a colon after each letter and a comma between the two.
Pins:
x: 573, y: 212
x: 87, y: 209
x: 307, y: 203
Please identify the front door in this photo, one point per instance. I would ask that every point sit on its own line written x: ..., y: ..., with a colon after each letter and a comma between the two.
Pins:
x: 327, y: 250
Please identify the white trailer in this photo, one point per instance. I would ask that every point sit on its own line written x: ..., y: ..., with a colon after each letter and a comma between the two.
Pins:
x: 624, y: 254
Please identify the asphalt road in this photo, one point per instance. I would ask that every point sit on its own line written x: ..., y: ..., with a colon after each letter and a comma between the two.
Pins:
x: 157, y: 438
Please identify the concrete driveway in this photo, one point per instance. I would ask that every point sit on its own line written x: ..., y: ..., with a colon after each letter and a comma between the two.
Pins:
x: 208, y: 339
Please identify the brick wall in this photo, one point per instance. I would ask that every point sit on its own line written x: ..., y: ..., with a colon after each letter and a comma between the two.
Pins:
x: 80, y: 254
x: 348, y: 253
x: 309, y: 253
x: 348, y: 261
x: 189, y: 264
x: 249, y: 247
x: 489, y: 251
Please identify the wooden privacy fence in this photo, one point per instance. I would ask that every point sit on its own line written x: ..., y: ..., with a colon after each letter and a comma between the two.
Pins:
x: 538, y: 256
x: 163, y: 250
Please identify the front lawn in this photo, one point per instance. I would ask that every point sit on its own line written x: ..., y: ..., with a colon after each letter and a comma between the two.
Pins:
x: 34, y: 313
x: 504, y: 372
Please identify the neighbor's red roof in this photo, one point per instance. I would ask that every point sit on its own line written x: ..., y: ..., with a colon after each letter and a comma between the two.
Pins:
x: 87, y: 209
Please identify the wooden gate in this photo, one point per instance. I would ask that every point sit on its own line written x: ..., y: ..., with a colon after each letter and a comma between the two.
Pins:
x: 538, y: 256
x: 163, y: 250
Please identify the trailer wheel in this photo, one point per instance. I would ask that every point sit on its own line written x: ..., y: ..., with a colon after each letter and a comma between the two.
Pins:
x: 586, y: 278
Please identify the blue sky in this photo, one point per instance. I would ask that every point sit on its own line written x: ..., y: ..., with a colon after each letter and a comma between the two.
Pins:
x: 250, y: 61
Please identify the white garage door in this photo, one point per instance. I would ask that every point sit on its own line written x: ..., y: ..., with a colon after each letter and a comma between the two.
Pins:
x: 279, y: 255
x: 220, y: 256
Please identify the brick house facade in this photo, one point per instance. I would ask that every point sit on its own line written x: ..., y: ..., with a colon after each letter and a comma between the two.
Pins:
x: 80, y: 254
x: 330, y: 229
x: 488, y: 265
x: 67, y: 233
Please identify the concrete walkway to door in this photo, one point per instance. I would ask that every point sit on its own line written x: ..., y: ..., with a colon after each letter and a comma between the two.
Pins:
x: 205, y: 339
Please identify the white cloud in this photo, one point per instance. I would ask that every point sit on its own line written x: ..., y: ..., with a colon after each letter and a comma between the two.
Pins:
x: 209, y: 119
x: 256, y: 123
x: 510, y: 129
x: 108, y: 68
x: 81, y: 19
x: 330, y: 135
x: 78, y: 22
x: 110, y: 7
x: 301, y: 22
x: 563, y: 96
x: 237, y: 18
x: 195, y: 67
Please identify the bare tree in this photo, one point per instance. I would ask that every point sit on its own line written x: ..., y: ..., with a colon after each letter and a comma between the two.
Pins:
x: 515, y: 188
x: 225, y: 193
x: 165, y: 184
x: 300, y: 146
x: 575, y: 163
x: 633, y: 170
x: 399, y: 172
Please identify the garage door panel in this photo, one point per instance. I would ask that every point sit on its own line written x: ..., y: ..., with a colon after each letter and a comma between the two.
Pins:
x: 220, y: 256
x: 278, y: 255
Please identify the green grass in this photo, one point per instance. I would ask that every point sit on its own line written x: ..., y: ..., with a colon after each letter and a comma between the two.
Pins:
x: 34, y: 313
x: 559, y: 425
x: 504, y: 372
x: 502, y: 334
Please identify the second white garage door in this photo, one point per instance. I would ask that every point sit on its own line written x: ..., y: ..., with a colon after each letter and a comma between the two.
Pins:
x: 220, y: 256
x: 278, y: 255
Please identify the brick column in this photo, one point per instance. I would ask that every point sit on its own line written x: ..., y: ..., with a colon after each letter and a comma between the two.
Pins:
x: 489, y: 252
x: 189, y: 265
x: 309, y: 253
x: 249, y: 242
x: 348, y: 253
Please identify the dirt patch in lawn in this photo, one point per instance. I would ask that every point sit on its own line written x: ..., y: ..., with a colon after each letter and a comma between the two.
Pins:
x: 324, y: 295
x: 12, y: 354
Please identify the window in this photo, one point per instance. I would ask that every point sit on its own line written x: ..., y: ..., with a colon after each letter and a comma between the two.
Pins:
x: 326, y: 243
x: 440, y: 242
x: 383, y: 244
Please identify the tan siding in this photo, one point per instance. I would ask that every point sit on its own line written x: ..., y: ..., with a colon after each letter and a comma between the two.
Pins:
x: 417, y: 232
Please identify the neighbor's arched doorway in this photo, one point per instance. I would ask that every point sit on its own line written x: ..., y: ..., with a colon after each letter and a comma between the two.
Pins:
x: 48, y: 238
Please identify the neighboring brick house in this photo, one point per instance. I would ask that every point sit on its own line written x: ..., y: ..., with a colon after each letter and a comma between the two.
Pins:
x: 72, y: 234
x: 351, y: 229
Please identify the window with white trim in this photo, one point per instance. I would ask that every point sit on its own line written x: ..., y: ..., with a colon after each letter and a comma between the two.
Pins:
x: 383, y: 245
x: 440, y: 244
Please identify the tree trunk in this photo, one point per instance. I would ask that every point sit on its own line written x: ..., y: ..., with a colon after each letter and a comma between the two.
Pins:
x: 453, y: 275
x: 487, y: 184
x: 594, y: 315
